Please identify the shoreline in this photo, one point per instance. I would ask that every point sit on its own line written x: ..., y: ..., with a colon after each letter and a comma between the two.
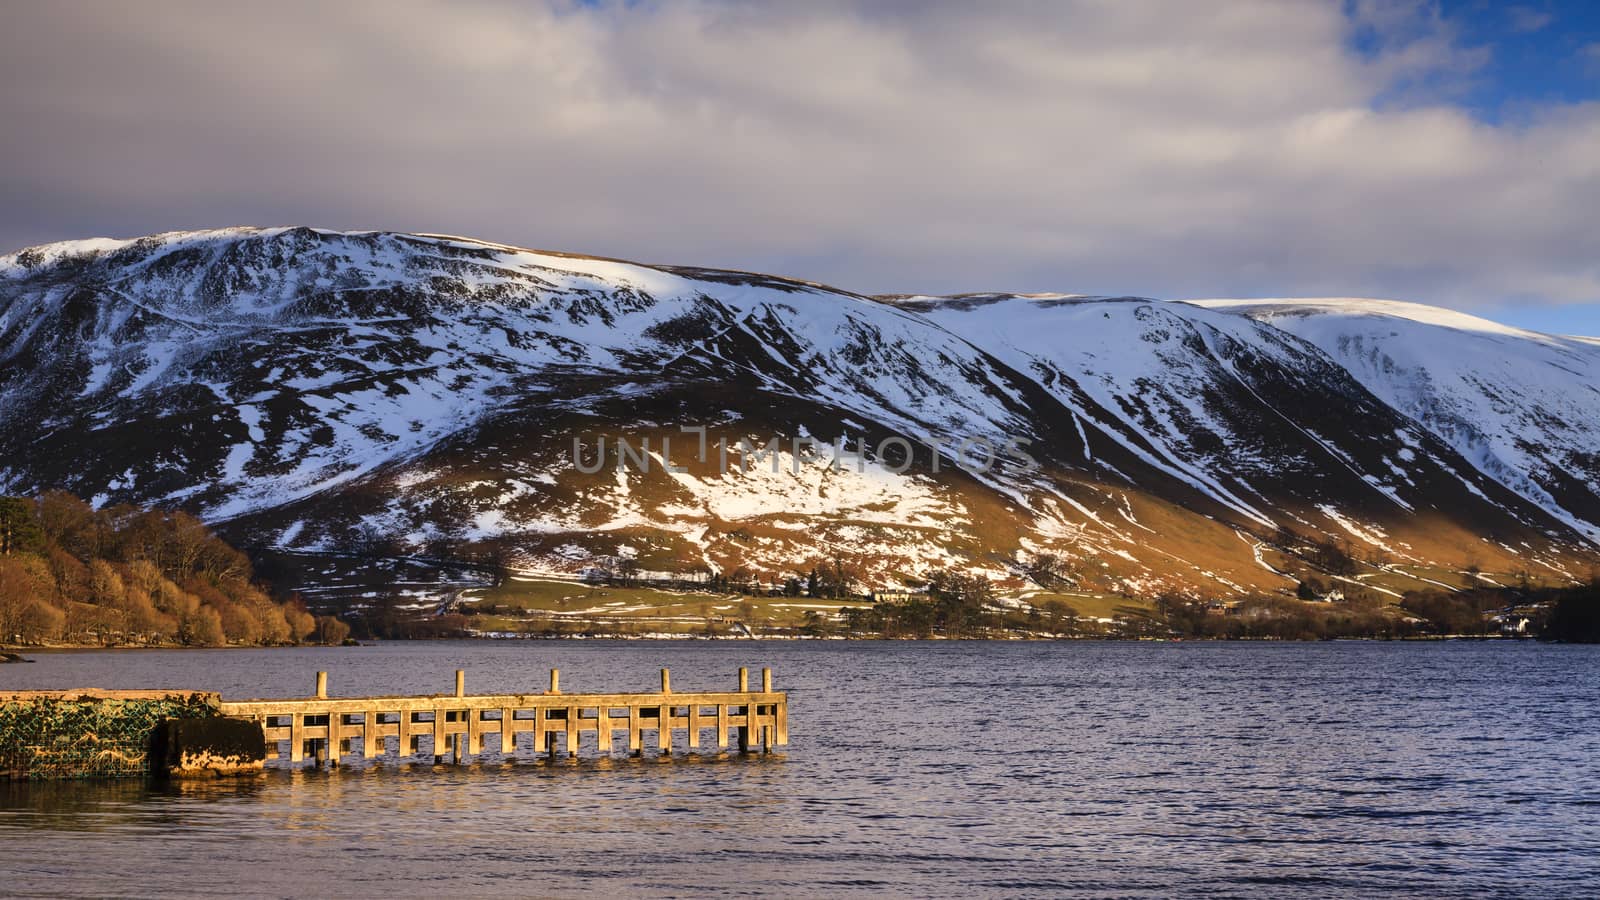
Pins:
x: 19, y: 658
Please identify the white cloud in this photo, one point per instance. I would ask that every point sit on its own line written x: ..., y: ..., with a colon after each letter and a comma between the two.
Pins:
x: 1525, y: 19
x: 1170, y: 148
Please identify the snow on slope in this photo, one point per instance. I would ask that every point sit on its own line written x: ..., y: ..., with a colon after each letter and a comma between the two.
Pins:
x: 328, y: 354
x: 1523, y: 407
x: 1215, y: 400
x: 1030, y: 333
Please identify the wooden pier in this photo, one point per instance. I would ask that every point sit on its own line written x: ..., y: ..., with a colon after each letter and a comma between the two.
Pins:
x: 459, y: 726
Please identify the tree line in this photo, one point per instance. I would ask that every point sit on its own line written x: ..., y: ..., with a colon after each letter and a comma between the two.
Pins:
x: 1574, y: 615
x: 122, y: 574
x: 828, y: 578
x: 953, y: 604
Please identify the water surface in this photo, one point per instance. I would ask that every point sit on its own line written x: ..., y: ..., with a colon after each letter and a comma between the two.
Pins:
x: 927, y: 769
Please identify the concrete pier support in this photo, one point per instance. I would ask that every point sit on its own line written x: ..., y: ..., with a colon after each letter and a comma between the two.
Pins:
x: 208, y: 748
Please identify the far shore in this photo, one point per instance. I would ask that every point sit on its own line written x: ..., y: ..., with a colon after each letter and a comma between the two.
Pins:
x: 21, y: 654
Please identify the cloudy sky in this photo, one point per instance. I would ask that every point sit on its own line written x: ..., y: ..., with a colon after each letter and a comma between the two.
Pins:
x: 1446, y: 153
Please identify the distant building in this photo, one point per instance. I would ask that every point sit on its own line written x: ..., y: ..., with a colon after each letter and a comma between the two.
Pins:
x: 893, y: 597
x: 1514, y: 624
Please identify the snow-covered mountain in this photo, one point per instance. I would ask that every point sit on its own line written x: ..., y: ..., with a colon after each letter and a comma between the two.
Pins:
x: 1519, y: 405
x: 311, y: 389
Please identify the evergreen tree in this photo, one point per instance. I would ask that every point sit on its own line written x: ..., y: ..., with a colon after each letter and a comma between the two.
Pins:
x: 19, y: 527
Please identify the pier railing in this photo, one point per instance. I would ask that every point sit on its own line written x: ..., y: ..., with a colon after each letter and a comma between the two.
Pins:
x: 461, y: 725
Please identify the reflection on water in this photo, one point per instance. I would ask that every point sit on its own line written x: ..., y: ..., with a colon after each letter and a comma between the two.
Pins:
x: 925, y: 769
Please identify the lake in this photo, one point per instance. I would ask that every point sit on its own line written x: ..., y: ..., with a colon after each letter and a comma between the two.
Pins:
x: 925, y: 769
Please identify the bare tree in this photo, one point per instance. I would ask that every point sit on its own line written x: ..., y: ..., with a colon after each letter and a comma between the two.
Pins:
x: 628, y: 570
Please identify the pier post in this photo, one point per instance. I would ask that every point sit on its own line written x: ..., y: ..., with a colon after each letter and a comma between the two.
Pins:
x: 461, y: 683
x: 572, y: 733
x: 768, y: 732
x: 335, y: 735
x: 635, y: 725
x: 369, y: 735
x: 441, y: 742
x: 508, y: 737
x: 664, y: 717
x: 749, y: 709
x: 322, y: 686
x: 555, y: 681
x: 542, y: 742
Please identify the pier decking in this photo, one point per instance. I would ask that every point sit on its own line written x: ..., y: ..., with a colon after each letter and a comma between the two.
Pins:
x: 459, y: 726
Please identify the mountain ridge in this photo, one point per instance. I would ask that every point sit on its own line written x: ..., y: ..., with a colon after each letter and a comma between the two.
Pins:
x: 305, y: 388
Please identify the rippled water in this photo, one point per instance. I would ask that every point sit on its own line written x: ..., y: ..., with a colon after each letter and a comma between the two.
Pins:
x: 931, y: 769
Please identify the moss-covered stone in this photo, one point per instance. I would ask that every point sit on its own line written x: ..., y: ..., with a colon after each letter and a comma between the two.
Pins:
x: 88, y: 734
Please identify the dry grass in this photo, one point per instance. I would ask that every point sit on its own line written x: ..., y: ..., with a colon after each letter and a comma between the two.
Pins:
x: 533, y: 604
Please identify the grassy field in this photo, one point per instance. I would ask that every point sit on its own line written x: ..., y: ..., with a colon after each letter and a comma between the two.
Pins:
x: 1090, y: 606
x: 534, y: 604
x: 543, y: 605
